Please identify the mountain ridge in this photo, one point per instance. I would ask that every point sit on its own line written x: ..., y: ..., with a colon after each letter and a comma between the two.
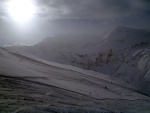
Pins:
x: 109, y: 56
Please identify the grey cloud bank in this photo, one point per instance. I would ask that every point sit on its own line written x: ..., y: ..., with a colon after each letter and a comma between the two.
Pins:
x: 93, y: 9
x: 56, y: 17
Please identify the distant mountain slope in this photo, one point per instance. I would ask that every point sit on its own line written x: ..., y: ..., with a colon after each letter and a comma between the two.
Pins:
x: 61, y: 48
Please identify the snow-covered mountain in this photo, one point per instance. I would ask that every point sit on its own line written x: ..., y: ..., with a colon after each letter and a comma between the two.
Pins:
x: 31, y: 78
x: 111, y: 55
x: 33, y: 85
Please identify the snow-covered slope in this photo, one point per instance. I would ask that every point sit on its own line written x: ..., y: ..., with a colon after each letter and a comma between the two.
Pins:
x: 20, y: 65
x: 112, y: 55
x: 17, y: 64
x: 122, y: 45
x: 136, y: 69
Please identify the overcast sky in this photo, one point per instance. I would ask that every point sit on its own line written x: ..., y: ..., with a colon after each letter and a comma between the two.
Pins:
x: 56, y: 17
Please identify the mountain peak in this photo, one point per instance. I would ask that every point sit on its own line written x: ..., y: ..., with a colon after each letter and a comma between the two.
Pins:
x: 124, y: 28
x: 123, y: 33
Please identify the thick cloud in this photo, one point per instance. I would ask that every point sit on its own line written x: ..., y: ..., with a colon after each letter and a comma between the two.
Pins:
x: 87, y: 9
x: 74, y: 17
x: 92, y: 9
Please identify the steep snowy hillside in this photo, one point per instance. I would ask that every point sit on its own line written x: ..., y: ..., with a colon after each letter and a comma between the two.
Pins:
x: 136, y: 70
x: 30, y: 84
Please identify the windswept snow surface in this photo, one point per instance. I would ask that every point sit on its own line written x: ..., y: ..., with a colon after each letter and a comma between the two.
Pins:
x: 97, y: 85
x: 85, y: 89
x: 139, y: 67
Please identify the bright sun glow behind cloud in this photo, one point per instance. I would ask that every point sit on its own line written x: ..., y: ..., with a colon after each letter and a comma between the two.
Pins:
x: 21, y: 11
